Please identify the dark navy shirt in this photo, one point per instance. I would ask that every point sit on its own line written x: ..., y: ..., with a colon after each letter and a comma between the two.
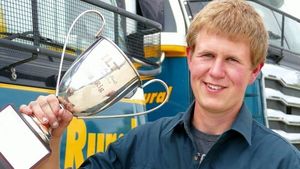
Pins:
x: 168, y: 144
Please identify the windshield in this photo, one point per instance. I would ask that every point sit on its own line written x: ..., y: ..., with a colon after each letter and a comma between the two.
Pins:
x: 285, y: 37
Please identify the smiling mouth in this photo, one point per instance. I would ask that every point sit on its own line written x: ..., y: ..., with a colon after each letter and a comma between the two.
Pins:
x: 214, y: 87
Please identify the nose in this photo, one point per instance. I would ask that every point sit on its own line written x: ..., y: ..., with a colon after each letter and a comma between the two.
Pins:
x: 217, y: 69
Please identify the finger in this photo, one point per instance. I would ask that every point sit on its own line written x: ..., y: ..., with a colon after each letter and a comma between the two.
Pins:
x: 54, y: 104
x: 65, y: 118
x: 50, y: 106
x: 25, y: 109
x: 46, y: 108
x: 38, y: 112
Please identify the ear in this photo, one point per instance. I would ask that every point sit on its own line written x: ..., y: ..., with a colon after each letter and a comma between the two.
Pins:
x: 255, y: 72
x: 189, y: 55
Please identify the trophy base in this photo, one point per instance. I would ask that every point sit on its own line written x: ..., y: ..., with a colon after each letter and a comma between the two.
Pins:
x: 21, y: 146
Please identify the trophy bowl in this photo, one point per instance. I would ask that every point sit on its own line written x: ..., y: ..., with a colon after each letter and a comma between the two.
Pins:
x: 99, y: 77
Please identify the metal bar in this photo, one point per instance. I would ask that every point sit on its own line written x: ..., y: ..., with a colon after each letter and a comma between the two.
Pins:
x: 282, y: 31
x: 116, y: 28
x: 35, y: 23
x: 124, y: 13
x: 29, y: 48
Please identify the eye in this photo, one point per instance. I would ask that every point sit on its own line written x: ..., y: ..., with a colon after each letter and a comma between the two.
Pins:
x: 206, y: 55
x: 233, y: 59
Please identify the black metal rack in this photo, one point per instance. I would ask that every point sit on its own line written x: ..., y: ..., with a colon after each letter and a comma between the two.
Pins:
x: 34, y: 34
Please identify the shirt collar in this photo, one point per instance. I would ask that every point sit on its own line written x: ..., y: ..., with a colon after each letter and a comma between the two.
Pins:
x: 242, y: 124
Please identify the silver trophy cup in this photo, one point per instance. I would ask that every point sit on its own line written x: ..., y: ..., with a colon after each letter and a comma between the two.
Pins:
x: 98, y: 78
x: 101, y: 76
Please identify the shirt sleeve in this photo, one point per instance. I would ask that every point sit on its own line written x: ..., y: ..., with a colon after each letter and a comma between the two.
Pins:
x: 107, y: 160
x: 291, y: 160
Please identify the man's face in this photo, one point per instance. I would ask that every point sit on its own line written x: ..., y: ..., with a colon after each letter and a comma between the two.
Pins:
x: 220, y: 72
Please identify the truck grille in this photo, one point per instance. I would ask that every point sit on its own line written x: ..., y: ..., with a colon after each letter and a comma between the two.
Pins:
x: 282, y: 98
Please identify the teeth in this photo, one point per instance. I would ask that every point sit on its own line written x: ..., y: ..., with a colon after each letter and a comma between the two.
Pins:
x: 214, y: 87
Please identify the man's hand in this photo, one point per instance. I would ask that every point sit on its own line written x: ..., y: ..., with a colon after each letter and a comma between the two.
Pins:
x: 48, y: 111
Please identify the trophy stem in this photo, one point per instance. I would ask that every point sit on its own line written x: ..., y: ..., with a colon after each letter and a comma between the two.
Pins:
x: 66, y: 41
x: 38, y: 128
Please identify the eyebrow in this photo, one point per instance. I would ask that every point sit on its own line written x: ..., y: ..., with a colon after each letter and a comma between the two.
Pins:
x: 204, y: 52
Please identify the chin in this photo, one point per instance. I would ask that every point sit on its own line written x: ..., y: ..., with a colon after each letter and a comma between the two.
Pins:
x: 213, y: 106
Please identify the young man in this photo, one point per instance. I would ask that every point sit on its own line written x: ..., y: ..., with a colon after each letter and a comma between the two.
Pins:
x: 227, y: 45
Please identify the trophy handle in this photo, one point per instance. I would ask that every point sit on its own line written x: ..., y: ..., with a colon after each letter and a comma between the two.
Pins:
x: 156, y: 68
x: 135, y: 114
x: 66, y: 41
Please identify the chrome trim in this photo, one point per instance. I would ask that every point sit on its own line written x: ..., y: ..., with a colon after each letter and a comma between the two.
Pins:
x: 273, y: 94
x: 287, y: 77
x: 293, y: 138
x: 276, y: 115
x: 262, y: 85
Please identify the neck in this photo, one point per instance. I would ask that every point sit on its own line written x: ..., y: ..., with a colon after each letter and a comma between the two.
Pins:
x: 215, y: 123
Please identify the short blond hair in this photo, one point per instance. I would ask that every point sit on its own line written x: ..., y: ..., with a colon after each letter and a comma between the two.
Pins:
x: 235, y: 19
